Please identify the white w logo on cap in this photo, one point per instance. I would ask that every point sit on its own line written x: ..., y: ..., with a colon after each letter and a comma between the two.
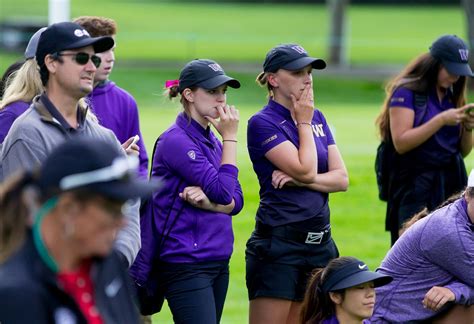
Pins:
x: 215, y: 67
x: 298, y: 49
x: 464, y: 54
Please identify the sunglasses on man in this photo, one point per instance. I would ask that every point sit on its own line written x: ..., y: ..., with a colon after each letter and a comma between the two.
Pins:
x: 82, y: 58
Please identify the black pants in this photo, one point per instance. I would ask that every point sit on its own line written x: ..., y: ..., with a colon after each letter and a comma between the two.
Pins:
x: 195, y: 292
x: 415, y: 189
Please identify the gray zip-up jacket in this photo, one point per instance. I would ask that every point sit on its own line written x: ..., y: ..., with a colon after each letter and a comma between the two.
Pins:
x: 37, y: 132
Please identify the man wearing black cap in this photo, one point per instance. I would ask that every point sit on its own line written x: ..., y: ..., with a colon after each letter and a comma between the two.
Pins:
x: 67, y: 61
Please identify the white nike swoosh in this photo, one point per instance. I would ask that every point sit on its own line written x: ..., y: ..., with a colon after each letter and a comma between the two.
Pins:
x: 361, y: 267
x: 112, y: 289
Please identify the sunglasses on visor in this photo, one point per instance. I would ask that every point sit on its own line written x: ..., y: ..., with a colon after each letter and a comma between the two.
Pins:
x: 82, y: 58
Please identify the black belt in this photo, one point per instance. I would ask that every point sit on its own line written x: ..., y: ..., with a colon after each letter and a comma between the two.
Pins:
x: 290, y: 233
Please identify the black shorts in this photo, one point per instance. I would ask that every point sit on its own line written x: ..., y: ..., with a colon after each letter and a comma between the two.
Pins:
x: 279, y: 266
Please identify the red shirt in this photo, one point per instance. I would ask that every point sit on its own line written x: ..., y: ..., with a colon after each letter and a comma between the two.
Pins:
x: 79, y: 285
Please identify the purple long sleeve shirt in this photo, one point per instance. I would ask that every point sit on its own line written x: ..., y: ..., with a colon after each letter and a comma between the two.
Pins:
x: 436, y: 251
x: 188, y: 155
x: 8, y: 116
x: 117, y: 110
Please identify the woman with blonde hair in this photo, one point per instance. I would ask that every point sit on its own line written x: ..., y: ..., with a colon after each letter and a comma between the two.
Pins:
x: 298, y: 165
x: 20, y: 88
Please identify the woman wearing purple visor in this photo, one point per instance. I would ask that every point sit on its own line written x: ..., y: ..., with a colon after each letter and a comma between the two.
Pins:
x: 426, y: 118
x: 342, y: 292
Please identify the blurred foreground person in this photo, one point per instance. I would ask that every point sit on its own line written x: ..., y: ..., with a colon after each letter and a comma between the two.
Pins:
x: 65, y: 271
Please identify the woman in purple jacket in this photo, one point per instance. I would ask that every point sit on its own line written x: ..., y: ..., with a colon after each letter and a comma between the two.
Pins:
x: 188, y: 249
x: 298, y: 164
x: 432, y: 268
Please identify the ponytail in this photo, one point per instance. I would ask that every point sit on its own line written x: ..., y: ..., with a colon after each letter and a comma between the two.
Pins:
x: 317, y: 305
x: 262, y: 80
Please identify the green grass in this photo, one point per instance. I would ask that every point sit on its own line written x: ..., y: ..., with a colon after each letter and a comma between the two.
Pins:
x: 357, y: 215
x: 153, y: 30
x: 229, y: 32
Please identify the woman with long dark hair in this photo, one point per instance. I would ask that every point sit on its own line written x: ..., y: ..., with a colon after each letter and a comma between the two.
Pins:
x: 426, y: 117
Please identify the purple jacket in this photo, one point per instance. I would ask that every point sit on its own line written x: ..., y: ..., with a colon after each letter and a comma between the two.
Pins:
x: 8, y: 116
x: 436, y: 251
x: 188, y: 155
x: 117, y: 110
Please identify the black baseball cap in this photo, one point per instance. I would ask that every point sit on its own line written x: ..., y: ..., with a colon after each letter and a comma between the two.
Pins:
x: 67, y: 35
x: 204, y: 73
x: 353, y: 273
x: 290, y: 57
x: 30, y: 50
x: 96, y: 166
x: 453, y: 53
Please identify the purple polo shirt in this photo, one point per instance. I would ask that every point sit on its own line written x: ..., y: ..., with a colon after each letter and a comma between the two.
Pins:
x: 268, y: 128
x: 117, y: 110
x: 189, y: 155
x: 8, y: 115
x: 444, y: 144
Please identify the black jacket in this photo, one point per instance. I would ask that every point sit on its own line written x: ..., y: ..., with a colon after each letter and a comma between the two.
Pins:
x: 30, y: 293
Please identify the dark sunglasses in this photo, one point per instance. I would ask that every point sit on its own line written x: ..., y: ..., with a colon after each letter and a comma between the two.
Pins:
x: 82, y: 58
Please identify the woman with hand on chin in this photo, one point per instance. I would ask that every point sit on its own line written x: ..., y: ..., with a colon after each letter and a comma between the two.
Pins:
x: 191, y: 213
x: 298, y: 164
